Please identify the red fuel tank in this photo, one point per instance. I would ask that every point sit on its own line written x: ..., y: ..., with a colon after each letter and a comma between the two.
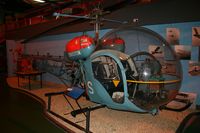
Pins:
x: 116, y: 43
x: 80, y: 47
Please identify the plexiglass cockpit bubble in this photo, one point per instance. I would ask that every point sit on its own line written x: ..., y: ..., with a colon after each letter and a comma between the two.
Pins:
x: 157, y: 78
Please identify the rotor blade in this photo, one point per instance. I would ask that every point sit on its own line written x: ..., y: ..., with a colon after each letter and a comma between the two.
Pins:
x: 111, y: 8
x: 115, y: 21
x: 67, y: 15
x: 86, y: 17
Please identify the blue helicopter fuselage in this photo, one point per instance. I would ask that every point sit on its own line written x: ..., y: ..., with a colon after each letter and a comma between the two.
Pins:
x: 95, y: 88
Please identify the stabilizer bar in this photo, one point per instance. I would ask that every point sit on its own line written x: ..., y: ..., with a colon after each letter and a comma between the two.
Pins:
x: 83, y: 110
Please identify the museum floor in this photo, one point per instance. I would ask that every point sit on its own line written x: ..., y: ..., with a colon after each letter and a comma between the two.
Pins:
x: 103, y: 120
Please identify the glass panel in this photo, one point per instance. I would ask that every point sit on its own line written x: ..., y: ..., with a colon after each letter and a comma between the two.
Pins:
x: 153, y: 86
x: 106, y: 70
x: 157, y: 75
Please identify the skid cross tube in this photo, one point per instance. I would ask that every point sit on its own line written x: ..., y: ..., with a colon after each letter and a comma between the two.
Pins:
x: 49, y: 98
x: 87, y: 110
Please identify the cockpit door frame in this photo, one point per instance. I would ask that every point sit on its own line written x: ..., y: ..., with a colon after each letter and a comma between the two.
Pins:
x: 114, y: 55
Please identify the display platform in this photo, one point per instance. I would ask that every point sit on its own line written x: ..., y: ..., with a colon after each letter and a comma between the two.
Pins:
x: 104, y: 120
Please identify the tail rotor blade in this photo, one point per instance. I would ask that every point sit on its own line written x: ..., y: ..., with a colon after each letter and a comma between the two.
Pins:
x: 67, y: 15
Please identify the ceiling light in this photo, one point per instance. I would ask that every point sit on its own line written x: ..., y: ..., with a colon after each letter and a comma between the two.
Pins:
x: 41, y: 1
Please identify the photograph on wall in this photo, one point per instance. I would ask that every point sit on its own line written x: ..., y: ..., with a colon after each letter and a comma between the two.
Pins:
x: 156, y: 51
x: 173, y: 36
x: 183, y: 52
x: 169, y: 67
x: 196, y: 36
x: 194, y: 68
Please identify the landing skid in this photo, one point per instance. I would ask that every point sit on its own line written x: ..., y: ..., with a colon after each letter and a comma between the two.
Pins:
x: 75, y: 93
x: 182, y: 99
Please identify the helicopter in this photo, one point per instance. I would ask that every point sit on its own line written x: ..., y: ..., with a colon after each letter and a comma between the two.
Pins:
x: 136, y: 82
x: 123, y: 78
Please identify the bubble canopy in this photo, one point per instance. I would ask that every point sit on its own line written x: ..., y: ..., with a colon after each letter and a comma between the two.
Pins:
x: 158, y: 75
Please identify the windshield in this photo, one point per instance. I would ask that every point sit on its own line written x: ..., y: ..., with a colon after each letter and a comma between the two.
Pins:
x: 152, y: 86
